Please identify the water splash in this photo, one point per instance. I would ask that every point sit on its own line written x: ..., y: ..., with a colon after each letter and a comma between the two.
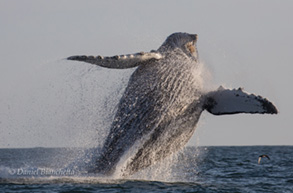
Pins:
x: 61, y: 104
x: 73, y: 105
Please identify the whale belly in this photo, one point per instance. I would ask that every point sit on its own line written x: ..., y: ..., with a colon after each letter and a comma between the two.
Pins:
x: 156, y: 116
x: 165, y: 139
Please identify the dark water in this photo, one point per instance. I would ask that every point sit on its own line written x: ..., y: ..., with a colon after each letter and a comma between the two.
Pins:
x: 202, y: 169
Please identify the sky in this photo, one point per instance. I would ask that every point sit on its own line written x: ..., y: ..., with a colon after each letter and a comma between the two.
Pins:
x: 48, y: 102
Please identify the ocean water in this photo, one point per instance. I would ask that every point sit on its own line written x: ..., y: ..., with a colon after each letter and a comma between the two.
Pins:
x: 194, y: 169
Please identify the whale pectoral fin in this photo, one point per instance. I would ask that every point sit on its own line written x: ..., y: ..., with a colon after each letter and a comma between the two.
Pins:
x: 226, y: 101
x: 121, y: 61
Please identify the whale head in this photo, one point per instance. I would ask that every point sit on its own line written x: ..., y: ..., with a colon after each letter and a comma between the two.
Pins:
x: 184, y: 41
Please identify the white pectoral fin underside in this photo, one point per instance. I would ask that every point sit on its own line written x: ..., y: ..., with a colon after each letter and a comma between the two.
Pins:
x: 121, y: 61
x: 227, y: 101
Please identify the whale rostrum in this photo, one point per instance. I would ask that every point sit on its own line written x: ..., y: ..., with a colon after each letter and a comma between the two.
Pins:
x: 161, y: 105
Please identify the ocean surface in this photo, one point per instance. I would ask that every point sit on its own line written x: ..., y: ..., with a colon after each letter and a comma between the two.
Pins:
x: 194, y: 169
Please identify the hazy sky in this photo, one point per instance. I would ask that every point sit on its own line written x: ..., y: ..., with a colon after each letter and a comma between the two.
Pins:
x: 45, y: 101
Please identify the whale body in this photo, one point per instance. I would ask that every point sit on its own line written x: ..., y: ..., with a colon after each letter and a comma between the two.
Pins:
x: 162, y: 103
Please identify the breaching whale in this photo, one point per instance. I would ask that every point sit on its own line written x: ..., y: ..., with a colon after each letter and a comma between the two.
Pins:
x: 161, y: 105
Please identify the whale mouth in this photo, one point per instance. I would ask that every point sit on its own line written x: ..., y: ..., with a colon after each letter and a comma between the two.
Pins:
x: 191, y: 46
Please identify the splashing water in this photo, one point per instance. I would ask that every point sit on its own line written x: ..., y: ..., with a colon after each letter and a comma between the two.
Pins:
x: 61, y: 105
x: 73, y: 105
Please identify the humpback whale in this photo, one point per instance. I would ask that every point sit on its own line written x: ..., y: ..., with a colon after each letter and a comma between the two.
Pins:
x: 161, y: 105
